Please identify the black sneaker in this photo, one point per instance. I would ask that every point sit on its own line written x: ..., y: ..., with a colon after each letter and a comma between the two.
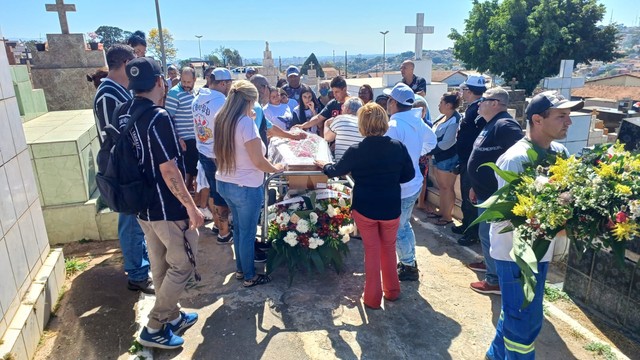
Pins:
x: 215, y: 230
x: 262, y: 246
x: 457, y: 229
x: 146, y: 286
x: 467, y: 240
x: 222, y: 240
x: 260, y: 257
x: 408, y: 273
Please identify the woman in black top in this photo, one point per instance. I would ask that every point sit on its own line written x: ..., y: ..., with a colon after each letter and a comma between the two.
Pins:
x: 378, y: 166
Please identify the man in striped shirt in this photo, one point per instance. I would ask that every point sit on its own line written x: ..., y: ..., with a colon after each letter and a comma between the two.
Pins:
x: 343, y: 129
x: 178, y: 104
x: 111, y: 93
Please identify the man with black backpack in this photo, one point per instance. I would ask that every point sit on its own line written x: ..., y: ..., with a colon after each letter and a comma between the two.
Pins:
x: 111, y: 93
x: 171, y: 219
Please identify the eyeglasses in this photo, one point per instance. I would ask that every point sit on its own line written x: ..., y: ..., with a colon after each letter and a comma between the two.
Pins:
x: 483, y: 99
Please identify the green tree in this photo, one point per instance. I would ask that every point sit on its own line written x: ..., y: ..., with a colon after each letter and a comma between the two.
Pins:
x: 230, y: 57
x: 526, y: 39
x: 153, y: 44
x: 213, y: 59
x: 110, y: 35
x: 316, y: 65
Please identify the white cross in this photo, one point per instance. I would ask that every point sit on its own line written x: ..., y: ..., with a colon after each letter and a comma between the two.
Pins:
x: 311, y: 66
x: 61, y: 8
x: 419, y: 30
x: 564, y: 82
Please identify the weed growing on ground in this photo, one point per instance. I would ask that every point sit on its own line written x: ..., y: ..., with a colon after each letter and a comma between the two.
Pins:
x: 601, y: 349
x: 9, y: 356
x: 73, y: 265
x: 135, y: 347
x: 576, y: 334
x: 553, y: 294
x: 63, y: 289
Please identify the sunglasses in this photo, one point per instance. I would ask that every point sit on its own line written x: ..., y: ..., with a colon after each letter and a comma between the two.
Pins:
x: 483, y: 99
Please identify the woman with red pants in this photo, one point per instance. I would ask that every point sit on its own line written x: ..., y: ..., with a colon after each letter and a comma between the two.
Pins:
x: 378, y: 166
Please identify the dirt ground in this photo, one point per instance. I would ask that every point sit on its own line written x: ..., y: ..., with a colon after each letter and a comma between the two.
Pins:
x: 318, y: 317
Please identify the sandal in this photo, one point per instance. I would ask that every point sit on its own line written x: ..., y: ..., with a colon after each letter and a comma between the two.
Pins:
x: 261, y: 279
x: 432, y: 215
x: 443, y: 222
x: 239, y: 275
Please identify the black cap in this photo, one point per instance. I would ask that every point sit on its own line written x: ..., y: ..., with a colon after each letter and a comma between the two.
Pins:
x: 142, y: 73
x: 550, y: 100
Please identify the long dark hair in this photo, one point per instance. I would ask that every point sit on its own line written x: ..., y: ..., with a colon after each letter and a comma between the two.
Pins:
x: 302, y: 116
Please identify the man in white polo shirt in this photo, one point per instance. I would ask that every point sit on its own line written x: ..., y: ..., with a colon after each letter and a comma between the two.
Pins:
x: 406, y: 126
x: 206, y: 104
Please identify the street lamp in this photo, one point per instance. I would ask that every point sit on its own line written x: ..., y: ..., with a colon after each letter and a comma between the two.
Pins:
x: 384, y: 50
x: 199, y: 48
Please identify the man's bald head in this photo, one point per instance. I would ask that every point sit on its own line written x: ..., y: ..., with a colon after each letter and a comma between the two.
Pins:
x: 406, y: 69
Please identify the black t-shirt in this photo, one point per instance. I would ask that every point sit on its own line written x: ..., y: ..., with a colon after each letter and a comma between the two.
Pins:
x: 378, y: 165
x: 418, y: 84
x: 470, y: 127
x: 498, y: 135
x: 155, y: 141
x: 333, y: 109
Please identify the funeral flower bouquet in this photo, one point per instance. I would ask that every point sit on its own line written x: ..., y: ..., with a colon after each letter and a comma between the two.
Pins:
x: 310, y: 231
x: 594, y: 198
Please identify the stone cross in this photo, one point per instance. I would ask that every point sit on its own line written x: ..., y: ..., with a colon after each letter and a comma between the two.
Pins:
x: 61, y: 8
x: 419, y: 30
x: 564, y: 82
x: 513, y: 83
x: 311, y: 65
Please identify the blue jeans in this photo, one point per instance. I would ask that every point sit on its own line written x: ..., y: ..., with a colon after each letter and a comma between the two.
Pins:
x: 406, y: 239
x: 134, y: 248
x: 483, y: 232
x: 245, y: 204
x: 517, y: 328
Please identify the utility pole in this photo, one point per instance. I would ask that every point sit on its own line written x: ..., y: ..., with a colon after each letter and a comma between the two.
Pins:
x: 384, y: 50
x: 164, y: 57
x: 345, y: 64
x: 199, y: 48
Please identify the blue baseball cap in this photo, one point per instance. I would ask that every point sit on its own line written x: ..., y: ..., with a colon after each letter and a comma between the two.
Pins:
x: 221, y: 74
x: 402, y: 94
x: 142, y: 73
x: 551, y: 99
x: 293, y: 70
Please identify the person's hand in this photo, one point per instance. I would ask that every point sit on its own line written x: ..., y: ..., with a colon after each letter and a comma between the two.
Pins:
x: 196, y: 219
x: 183, y: 145
x: 472, y: 196
x: 280, y: 167
x: 320, y: 163
x: 252, y: 115
x: 298, y: 126
x: 298, y: 135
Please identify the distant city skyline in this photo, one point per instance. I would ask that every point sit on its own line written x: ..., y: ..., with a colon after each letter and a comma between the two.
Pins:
x: 291, y: 27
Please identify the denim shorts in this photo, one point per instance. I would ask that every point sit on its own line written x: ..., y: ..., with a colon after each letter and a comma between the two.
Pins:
x: 209, y: 168
x: 447, y: 164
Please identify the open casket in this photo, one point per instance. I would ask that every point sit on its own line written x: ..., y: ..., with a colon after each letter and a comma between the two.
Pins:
x: 299, y: 155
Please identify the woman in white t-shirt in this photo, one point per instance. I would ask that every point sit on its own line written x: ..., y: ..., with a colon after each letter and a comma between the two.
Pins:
x: 241, y: 166
x: 278, y: 113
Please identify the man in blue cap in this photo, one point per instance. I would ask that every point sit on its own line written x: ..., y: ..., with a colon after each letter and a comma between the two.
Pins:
x: 407, y: 127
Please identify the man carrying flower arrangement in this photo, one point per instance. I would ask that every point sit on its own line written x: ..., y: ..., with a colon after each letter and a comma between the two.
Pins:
x: 517, y: 328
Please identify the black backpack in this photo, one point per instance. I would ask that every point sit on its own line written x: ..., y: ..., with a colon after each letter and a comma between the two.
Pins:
x: 123, y: 185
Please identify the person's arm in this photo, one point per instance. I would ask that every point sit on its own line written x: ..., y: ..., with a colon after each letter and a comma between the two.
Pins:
x: 408, y: 171
x: 175, y: 182
x: 343, y: 166
x: 171, y: 103
x: 254, y: 148
x: 422, y: 87
x: 329, y: 134
x: 447, y: 140
x: 429, y: 141
x: 104, y: 111
x: 312, y: 122
x: 275, y: 130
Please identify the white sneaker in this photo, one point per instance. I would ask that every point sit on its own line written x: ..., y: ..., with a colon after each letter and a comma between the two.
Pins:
x: 207, y: 213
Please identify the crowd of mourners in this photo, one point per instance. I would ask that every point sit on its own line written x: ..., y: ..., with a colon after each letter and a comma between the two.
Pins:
x: 203, y: 151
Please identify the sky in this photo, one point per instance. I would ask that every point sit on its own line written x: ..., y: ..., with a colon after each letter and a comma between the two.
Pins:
x: 291, y: 27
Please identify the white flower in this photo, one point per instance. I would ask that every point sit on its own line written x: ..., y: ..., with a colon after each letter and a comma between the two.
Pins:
x: 314, y: 242
x: 302, y: 226
x: 271, y: 217
x: 346, y: 230
x: 331, y: 211
x: 341, y: 202
x: 291, y: 238
x: 294, y: 207
x: 634, y: 208
x: 345, y: 238
x: 540, y: 182
x: 313, y: 218
x: 283, y: 218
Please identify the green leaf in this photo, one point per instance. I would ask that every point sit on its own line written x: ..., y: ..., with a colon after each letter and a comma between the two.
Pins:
x: 498, y: 212
x: 495, y: 197
x: 307, y: 202
x: 506, y: 175
x: 540, y: 247
x: 317, y: 261
x: 533, y: 155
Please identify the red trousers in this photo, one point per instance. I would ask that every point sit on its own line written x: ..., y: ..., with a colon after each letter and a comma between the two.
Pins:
x: 379, y: 240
